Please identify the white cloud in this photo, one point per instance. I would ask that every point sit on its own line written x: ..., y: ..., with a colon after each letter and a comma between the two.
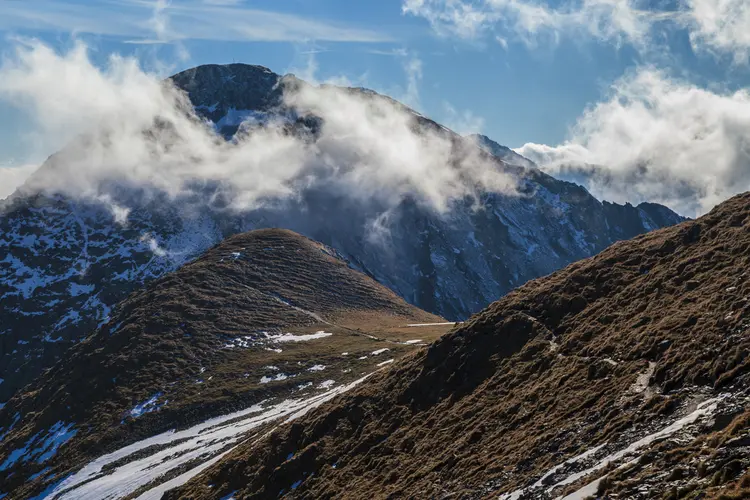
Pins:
x: 125, y: 126
x: 617, y: 21
x: 11, y: 177
x: 660, y: 140
x: 135, y: 20
x: 716, y: 26
x: 654, y: 138
x: 721, y: 26
x: 160, y: 21
x: 153, y: 245
x: 457, y: 17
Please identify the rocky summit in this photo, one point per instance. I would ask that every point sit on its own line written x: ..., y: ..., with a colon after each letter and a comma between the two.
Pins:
x: 67, y: 261
x: 624, y: 375
x: 258, y: 330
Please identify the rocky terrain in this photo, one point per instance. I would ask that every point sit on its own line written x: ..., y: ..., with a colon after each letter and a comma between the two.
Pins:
x: 624, y: 375
x: 265, y: 325
x: 66, y: 261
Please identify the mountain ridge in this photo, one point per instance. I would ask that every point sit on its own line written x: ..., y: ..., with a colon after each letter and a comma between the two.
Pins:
x: 69, y: 260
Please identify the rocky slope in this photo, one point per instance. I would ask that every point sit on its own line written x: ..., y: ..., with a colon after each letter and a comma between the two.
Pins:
x: 262, y: 326
x: 625, y: 375
x: 65, y: 262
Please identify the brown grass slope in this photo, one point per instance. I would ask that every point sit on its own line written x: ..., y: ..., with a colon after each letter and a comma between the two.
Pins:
x: 172, y: 338
x: 540, y: 376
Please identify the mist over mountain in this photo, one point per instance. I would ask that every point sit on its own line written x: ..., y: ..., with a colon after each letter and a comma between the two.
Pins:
x: 445, y: 224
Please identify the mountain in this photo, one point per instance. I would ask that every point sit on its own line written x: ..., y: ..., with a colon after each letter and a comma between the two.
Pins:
x: 625, y: 375
x: 503, y: 152
x: 264, y: 325
x: 65, y: 260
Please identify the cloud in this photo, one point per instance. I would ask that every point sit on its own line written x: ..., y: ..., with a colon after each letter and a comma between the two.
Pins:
x: 135, y: 21
x: 223, y: 2
x: 160, y: 21
x: 160, y: 24
x: 616, y: 21
x: 721, y: 26
x: 146, y: 41
x: 413, y: 68
x: 714, y: 26
x: 392, y: 53
x: 464, y: 123
x: 153, y: 245
x: 657, y: 139
x: 11, y: 177
x: 119, y: 126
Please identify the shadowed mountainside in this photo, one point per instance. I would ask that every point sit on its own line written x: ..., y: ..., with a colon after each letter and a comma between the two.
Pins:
x: 622, y: 376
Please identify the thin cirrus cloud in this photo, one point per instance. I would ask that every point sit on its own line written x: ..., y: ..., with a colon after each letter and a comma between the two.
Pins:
x: 714, y: 26
x: 616, y: 21
x: 218, y: 20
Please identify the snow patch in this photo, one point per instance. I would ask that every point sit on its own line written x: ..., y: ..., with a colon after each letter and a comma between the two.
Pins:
x: 147, y: 406
x: 205, y: 443
x: 276, y: 378
x: 641, y: 383
x: 76, y: 289
x: 706, y: 408
x: 40, y: 448
x: 289, y: 337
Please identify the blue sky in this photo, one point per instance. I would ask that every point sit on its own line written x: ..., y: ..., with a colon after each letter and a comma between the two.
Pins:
x: 521, y: 93
x: 520, y: 71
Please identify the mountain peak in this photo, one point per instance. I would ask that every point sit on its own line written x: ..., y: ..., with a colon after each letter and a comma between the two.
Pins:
x: 227, y: 72
x: 503, y: 152
x: 213, y: 88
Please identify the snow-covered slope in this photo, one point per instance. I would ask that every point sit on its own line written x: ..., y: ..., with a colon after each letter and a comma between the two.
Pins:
x: 65, y: 262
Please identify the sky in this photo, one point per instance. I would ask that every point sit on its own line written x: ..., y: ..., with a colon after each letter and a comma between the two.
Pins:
x: 634, y: 99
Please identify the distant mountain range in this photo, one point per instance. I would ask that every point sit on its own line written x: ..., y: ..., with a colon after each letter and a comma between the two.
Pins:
x: 65, y: 262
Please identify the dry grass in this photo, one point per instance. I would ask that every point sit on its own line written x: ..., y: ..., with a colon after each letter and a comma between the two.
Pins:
x: 541, y: 375
x: 172, y: 338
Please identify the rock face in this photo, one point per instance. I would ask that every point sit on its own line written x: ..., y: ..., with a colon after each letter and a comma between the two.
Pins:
x: 625, y: 375
x: 264, y: 325
x: 64, y: 263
